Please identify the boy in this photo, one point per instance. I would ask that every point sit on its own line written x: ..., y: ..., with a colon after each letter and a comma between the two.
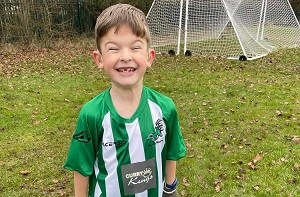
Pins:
x: 127, y: 138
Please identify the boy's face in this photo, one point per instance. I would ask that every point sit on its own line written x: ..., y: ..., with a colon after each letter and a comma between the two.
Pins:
x: 124, y: 56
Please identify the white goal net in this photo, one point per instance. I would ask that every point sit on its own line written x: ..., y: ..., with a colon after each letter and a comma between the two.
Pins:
x: 227, y: 28
x: 165, y: 20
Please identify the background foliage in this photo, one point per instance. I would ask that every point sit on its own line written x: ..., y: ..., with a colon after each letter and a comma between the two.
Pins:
x: 26, y: 21
x: 34, y: 20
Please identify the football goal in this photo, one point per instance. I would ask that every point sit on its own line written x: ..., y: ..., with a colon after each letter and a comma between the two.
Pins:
x: 239, y: 29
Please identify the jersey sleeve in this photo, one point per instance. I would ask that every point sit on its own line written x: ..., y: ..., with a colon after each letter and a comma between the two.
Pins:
x: 82, y: 154
x: 176, y: 148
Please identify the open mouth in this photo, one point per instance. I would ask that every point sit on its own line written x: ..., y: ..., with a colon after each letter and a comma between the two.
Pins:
x: 126, y: 69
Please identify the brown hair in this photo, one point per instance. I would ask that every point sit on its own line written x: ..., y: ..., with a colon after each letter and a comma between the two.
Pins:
x: 119, y: 15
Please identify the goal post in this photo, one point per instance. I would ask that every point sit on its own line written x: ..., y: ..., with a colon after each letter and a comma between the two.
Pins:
x: 165, y: 19
x: 228, y: 28
x: 179, y: 28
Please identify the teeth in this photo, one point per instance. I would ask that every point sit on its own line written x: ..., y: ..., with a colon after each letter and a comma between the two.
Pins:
x: 126, y: 69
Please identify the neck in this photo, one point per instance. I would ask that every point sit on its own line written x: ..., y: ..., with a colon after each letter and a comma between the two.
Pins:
x: 126, y: 101
x: 126, y: 95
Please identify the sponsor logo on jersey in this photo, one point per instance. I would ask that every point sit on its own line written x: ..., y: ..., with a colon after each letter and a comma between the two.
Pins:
x: 83, y: 136
x: 139, y: 177
x: 116, y: 143
x: 156, y: 136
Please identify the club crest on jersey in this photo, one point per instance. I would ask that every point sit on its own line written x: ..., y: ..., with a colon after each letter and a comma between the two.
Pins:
x: 156, y: 136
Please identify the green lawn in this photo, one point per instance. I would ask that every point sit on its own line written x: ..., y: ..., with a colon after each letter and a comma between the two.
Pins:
x: 240, y: 120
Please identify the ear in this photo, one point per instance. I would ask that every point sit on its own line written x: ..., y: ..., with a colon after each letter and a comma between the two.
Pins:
x: 98, y: 59
x: 151, y: 57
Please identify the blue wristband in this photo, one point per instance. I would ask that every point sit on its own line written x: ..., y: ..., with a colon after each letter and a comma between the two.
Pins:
x: 173, y: 185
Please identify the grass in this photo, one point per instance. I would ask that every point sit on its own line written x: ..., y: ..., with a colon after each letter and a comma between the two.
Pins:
x: 240, y: 120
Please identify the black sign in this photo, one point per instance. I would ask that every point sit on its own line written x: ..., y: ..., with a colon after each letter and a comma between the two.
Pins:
x: 138, y: 177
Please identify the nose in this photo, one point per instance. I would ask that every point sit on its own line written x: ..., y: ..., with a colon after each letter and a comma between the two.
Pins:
x: 126, y: 55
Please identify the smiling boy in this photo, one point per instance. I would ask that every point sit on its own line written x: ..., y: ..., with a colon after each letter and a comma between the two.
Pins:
x: 128, y: 138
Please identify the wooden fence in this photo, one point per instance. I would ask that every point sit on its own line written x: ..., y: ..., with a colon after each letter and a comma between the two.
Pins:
x: 25, y: 20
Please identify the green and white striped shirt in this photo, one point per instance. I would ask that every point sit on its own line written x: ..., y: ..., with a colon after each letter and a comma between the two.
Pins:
x: 104, y: 141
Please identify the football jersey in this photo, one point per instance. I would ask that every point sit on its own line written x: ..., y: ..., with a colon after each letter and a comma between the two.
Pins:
x: 117, y: 153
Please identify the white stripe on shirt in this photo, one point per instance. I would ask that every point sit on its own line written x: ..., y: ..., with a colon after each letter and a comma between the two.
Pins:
x: 98, y: 191
x: 136, y: 146
x: 110, y: 157
x: 156, y: 114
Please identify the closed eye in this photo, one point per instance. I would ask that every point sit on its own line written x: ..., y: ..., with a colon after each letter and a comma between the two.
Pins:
x: 113, y: 49
x: 136, y: 48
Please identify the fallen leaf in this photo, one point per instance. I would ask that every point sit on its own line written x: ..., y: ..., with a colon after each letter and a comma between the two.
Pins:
x: 257, y: 158
x: 296, y: 139
x: 296, y: 166
x: 279, y: 113
x: 191, y: 156
x: 55, y: 181
x: 283, y: 160
x: 182, y: 192
x: 252, y: 165
x: 256, y: 187
x: 36, y: 122
x: 24, y: 172
x: 205, y: 122
x: 61, y: 192
x: 188, y: 145
x: 184, y: 182
x: 217, y: 186
x: 224, y: 146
